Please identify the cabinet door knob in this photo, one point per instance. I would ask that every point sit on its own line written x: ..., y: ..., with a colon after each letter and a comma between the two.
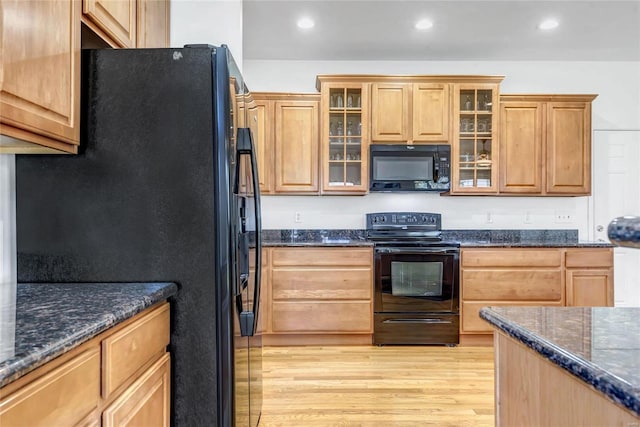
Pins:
x: 599, y: 228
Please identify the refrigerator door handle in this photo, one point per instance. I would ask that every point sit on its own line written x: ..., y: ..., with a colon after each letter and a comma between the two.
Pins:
x: 249, y: 319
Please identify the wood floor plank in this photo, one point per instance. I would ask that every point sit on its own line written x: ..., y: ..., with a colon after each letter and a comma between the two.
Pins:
x: 390, y: 386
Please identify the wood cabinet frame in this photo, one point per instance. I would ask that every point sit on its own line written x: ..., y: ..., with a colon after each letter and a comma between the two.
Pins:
x: 75, y: 377
x: 290, y: 126
x: 40, y: 94
x: 339, y: 313
x: 545, y: 144
x: 568, y: 277
x: 325, y: 141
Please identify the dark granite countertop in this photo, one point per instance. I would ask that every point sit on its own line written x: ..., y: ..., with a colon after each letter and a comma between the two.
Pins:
x: 50, y: 319
x: 600, y: 345
x: 347, y: 238
x: 466, y: 238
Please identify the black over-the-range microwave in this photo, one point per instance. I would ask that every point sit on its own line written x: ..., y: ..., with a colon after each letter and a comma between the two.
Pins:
x: 395, y: 167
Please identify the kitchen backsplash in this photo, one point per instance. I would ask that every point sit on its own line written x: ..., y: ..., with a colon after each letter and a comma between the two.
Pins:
x: 347, y: 212
x: 7, y: 220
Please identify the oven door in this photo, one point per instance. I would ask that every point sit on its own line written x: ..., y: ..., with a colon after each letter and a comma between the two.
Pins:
x: 416, y: 280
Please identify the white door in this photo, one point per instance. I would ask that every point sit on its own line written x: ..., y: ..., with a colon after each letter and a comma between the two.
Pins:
x: 616, y: 192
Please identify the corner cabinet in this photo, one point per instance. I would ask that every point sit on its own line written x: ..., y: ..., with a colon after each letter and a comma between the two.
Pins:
x: 545, y: 144
x: 475, y: 148
x: 40, y: 93
x: 344, y: 141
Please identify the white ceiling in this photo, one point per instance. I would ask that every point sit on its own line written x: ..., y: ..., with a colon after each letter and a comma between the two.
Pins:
x: 463, y: 30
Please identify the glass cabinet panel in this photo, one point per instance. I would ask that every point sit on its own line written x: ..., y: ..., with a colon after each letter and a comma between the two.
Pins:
x: 345, y: 141
x: 475, y: 150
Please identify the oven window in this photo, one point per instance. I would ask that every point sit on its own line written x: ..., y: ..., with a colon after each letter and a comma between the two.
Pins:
x: 416, y: 279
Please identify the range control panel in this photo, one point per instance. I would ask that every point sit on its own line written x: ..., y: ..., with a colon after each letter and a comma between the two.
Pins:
x: 394, y: 220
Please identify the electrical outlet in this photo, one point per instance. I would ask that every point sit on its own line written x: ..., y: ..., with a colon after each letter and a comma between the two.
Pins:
x: 527, y: 218
x: 563, y: 217
x: 489, y: 219
x: 297, y: 217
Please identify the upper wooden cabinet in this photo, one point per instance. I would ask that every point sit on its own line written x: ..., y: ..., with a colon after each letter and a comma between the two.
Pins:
x: 545, y: 144
x: 116, y: 18
x: 153, y: 23
x: 40, y: 91
x: 475, y: 148
x: 345, y: 140
x: 40, y: 74
x: 390, y: 112
x: 410, y: 112
x: 261, y: 125
x: 286, y: 135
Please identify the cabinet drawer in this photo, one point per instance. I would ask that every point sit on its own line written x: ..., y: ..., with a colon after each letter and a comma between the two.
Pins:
x: 129, y: 349
x: 511, y: 258
x: 471, y: 321
x: 321, y: 316
x: 321, y: 257
x: 47, y: 401
x: 146, y: 402
x: 293, y: 283
x: 512, y: 285
x: 589, y: 258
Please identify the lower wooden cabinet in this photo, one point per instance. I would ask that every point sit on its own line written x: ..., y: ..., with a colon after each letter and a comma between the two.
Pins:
x: 146, y: 402
x: 121, y: 377
x: 530, y: 276
x: 589, y: 277
x: 63, y: 396
x: 319, y: 295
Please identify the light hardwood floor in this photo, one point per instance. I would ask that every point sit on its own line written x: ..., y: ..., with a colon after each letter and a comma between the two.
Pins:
x: 393, y: 386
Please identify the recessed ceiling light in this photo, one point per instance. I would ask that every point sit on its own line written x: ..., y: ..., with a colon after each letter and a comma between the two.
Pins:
x: 548, y: 24
x: 423, y: 24
x: 305, y: 23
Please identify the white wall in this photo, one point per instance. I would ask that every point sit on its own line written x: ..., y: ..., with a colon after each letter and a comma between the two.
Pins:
x: 7, y: 221
x: 212, y: 22
x: 616, y: 107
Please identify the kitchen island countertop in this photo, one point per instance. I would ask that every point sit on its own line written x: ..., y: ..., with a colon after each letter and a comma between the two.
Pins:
x: 598, y: 345
x: 45, y: 320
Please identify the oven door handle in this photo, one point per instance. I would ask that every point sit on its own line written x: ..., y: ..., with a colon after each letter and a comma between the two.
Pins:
x: 448, y: 250
x: 431, y: 321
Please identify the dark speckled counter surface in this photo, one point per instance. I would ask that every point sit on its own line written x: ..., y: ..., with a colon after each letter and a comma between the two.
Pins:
x: 53, y: 318
x: 466, y: 238
x: 600, y: 345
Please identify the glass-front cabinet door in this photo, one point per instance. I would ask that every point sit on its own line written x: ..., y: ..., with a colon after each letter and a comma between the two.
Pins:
x: 475, y: 147
x: 345, y: 141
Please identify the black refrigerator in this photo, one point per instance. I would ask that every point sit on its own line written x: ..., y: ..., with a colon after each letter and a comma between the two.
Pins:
x: 164, y: 188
